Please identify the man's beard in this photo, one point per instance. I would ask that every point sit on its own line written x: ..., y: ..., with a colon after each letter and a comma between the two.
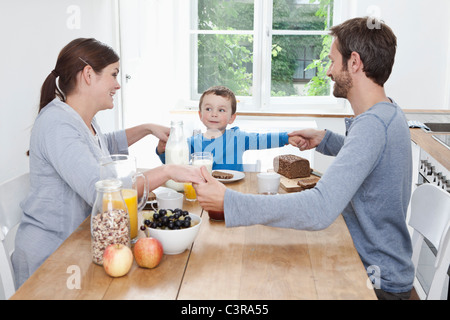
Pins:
x: 342, y: 84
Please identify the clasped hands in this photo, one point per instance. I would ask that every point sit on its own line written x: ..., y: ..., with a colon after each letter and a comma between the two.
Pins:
x: 211, y: 192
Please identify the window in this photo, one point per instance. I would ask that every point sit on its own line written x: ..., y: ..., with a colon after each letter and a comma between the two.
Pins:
x: 271, y: 53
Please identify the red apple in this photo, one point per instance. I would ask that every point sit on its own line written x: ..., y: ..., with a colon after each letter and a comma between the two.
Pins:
x: 148, y: 252
x: 117, y: 260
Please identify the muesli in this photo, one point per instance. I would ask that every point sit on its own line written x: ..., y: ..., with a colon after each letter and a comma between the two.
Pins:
x: 109, y: 227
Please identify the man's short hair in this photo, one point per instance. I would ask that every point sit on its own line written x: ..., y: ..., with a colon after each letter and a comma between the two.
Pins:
x: 373, y: 40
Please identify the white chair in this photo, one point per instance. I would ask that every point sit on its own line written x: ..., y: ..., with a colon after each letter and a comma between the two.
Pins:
x: 430, y: 219
x: 252, y: 167
x: 12, y: 192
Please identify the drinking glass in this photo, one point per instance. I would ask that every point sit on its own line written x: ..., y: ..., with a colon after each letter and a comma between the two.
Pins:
x: 200, y: 159
x: 189, y: 192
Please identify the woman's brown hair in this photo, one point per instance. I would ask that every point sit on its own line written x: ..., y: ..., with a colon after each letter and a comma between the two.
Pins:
x: 71, y: 60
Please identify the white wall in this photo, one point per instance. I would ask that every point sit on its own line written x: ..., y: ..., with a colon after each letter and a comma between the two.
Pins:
x: 32, y: 34
x: 421, y: 75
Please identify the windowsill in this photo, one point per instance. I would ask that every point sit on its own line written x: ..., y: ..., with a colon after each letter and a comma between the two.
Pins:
x: 304, y: 113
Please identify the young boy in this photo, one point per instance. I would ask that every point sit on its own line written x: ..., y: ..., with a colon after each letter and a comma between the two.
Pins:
x: 217, y: 109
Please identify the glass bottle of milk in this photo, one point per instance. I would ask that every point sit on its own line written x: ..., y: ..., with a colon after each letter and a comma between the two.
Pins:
x: 177, y: 151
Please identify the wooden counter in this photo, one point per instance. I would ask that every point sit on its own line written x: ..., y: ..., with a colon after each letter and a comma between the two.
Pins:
x: 434, y: 148
x: 256, y: 263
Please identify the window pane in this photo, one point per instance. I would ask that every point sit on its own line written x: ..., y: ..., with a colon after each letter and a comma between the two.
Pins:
x: 300, y: 15
x: 225, y: 14
x: 291, y: 55
x: 225, y: 60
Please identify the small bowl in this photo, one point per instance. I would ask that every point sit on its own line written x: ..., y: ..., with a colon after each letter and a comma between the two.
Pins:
x: 176, y: 241
x: 168, y: 200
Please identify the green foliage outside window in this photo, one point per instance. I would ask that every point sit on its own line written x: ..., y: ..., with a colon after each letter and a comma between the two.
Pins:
x: 228, y: 59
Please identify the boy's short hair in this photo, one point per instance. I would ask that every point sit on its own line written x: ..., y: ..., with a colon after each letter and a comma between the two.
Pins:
x: 223, y: 92
x: 373, y: 40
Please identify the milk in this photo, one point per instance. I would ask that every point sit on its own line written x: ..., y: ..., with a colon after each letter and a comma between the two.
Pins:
x: 203, y: 162
x: 177, y: 154
x: 177, y: 151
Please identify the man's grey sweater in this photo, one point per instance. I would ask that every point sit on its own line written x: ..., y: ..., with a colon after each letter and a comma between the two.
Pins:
x: 369, y: 182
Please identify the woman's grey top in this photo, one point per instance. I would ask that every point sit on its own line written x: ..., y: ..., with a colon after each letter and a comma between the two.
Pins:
x: 64, y: 167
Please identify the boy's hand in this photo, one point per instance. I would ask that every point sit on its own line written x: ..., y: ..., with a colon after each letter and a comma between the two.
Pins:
x: 161, y: 148
x: 294, y: 141
x: 309, y: 138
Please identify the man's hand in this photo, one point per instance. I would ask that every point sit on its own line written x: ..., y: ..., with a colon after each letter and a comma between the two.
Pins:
x: 211, y: 193
x: 307, y: 138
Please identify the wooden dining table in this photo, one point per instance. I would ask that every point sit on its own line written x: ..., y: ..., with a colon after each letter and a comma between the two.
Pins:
x: 242, y: 263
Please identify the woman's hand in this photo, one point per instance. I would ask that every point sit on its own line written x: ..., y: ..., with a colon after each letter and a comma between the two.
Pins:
x: 308, y: 138
x: 210, y: 193
x: 179, y: 173
x: 161, y: 132
x: 135, y: 134
x: 184, y: 173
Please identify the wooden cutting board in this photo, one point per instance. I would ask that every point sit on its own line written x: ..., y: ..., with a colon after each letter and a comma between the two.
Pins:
x: 291, y: 185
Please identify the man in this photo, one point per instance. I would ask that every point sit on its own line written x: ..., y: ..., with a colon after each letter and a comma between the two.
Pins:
x: 369, y: 181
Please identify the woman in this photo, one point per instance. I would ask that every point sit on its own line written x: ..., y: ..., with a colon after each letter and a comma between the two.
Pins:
x: 65, y: 148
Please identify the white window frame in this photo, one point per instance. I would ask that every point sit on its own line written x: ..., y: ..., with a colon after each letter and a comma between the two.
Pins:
x: 261, y: 100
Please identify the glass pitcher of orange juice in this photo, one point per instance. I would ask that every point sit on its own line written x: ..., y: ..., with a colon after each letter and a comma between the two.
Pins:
x: 123, y: 167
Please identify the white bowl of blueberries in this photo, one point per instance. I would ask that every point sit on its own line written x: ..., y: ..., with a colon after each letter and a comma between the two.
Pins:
x: 176, y: 229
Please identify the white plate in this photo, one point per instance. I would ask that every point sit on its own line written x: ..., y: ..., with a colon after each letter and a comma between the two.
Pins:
x: 237, y: 175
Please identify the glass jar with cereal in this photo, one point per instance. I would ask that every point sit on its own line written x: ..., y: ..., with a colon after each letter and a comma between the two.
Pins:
x: 110, y: 223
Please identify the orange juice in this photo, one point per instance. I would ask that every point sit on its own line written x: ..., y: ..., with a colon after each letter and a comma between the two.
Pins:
x: 189, y: 192
x: 130, y: 198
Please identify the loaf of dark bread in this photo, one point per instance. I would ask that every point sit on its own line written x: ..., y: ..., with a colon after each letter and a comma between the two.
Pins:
x: 291, y: 166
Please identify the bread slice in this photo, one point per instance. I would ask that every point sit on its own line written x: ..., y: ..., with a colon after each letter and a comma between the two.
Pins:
x: 151, y: 196
x: 222, y: 175
x: 307, y: 183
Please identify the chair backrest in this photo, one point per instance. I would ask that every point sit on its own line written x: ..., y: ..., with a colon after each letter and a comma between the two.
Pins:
x: 430, y: 216
x: 12, y: 192
x: 252, y: 167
